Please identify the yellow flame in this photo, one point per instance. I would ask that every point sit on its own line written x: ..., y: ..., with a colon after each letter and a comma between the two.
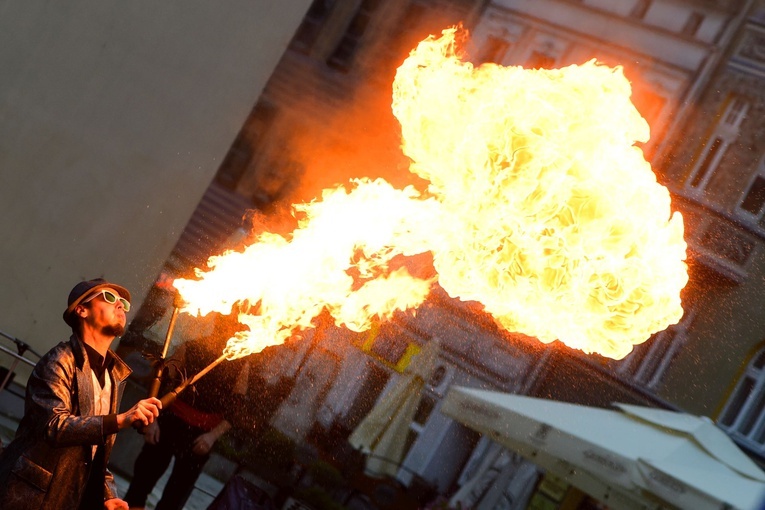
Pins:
x: 337, y: 258
x: 540, y: 207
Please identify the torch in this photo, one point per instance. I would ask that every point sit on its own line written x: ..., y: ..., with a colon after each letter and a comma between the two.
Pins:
x: 170, y: 396
x: 160, y: 363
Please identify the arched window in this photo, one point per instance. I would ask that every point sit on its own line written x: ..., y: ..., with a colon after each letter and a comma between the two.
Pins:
x: 744, y: 414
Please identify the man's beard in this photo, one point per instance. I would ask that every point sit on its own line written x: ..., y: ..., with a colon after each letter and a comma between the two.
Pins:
x: 113, y: 330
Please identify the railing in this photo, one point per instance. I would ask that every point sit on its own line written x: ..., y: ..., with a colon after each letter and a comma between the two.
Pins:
x: 18, y: 357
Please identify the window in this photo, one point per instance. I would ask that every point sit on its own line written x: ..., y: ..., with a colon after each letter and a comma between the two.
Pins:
x: 735, y: 113
x: 309, y: 29
x: 647, y: 363
x: 406, y: 31
x: 246, y: 145
x: 493, y: 50
x: 235, y: 163
x: 342, y: 58
x: 421, y: 416
x: 754, y: 199
x: 692, y: 25
x: 712, y: 157
x: 372, y: 384
x: 640, y: 9
x: 439, y: 374
x: 725, y: 133
x: 546, y: 50
x: 540, y: 60
x: 752, y: 205
x: 744, y: 414
x: 424, y: 410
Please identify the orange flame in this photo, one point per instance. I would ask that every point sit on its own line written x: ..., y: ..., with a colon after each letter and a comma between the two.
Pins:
x: 539, y: 207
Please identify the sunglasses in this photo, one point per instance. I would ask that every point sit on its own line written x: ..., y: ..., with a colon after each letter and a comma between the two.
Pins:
x: 111, y: 298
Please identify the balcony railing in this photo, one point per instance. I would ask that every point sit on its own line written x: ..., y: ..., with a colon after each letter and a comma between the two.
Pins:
x: 17, y: 356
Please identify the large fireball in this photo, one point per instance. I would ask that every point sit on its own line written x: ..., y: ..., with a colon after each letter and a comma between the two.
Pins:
x: 540, y: 207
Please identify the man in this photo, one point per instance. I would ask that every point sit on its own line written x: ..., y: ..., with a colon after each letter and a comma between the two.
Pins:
x: 59, y: 456
x: 189, y: 427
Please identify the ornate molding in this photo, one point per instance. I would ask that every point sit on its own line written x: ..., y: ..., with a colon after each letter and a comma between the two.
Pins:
x: 749, y: 55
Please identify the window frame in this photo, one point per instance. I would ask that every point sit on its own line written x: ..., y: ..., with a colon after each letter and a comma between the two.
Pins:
x: 342, y: 57
x: 748, y: 395
x: 725, y: 133
x: 312, y: 25
x: 640, y: 9
x: 758, y: 175
x: 693, y: 23
x: 647, y: 364
x: 494, y: 49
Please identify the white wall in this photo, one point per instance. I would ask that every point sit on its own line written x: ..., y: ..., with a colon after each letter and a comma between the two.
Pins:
x: 114, y: 117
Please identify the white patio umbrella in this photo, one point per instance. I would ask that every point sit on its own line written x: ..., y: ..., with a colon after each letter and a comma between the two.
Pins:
x: 633, y: 457
x: 382, y: 433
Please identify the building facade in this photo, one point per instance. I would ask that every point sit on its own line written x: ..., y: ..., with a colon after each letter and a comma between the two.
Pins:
x: 696, y: 67
x: 715, y: 175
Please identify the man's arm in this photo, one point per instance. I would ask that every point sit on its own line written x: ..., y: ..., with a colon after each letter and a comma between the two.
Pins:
x: 144, y: 412
x: 115, y: 504
x: 204, y: 442
x: 50, y: 398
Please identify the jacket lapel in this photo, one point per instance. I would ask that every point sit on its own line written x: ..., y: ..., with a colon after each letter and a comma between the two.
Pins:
x: 84, y: 379
x: 120, y: 372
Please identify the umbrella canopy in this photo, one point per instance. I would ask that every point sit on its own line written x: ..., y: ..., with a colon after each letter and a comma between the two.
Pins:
x: 642, y: 457
x: 382, y: 433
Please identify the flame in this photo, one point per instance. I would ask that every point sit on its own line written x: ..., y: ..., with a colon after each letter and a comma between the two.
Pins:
x: 337, y: 259
x: 539, y: 206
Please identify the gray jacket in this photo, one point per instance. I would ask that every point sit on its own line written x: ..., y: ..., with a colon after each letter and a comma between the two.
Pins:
x: 48, y: 463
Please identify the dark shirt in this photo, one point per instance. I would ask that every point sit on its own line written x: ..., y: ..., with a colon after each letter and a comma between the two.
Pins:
x: 100, y: 365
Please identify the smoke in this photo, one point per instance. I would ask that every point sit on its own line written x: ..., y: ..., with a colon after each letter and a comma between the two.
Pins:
x: 339, y: 124
x: 360, y: 139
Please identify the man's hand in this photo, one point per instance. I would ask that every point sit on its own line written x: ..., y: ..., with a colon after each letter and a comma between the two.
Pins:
x: 204, y: 443
x: 151, y: 433
x: 143, y: 413
x: 115, y: 504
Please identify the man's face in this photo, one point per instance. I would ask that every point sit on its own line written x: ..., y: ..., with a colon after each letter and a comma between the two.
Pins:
x: 108, y: 318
